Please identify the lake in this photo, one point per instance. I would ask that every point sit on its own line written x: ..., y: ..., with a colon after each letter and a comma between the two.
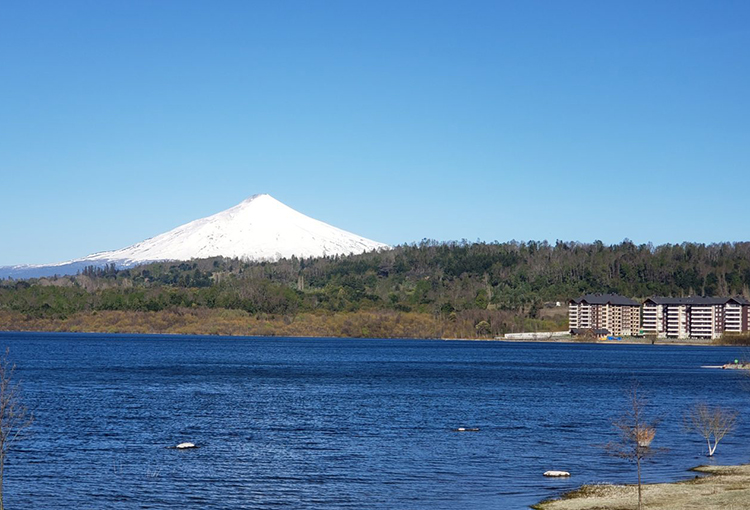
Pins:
x: 344, y: 423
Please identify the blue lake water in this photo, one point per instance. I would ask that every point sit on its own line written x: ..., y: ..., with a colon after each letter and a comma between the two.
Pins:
x: 343, y: 423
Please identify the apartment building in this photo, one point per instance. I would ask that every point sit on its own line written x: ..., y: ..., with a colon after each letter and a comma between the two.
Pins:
x: 737, y: 316
x: 616, y: 314
x: 695, y: 317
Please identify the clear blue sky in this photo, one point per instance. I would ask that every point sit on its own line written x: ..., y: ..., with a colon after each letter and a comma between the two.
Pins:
x: 395, y: 120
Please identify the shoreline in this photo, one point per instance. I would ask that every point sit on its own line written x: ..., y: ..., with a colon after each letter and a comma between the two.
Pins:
x: 714, y: 488
x: 625, y: 341
x: 237, y: 323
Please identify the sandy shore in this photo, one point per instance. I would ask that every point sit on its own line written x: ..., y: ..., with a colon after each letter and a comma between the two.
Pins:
x: 724, y: 488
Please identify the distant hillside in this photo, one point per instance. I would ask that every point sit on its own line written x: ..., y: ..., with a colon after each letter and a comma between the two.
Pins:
x: 464, y: 289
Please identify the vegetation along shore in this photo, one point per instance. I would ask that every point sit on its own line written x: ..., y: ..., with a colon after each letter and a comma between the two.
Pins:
x: 425, y: 290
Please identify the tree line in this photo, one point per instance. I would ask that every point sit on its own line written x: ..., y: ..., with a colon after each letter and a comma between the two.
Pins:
x: 509, y: 286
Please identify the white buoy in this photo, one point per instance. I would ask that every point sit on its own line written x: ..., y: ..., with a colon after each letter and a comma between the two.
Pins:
x: 182, y: 446
x: 556, y: 473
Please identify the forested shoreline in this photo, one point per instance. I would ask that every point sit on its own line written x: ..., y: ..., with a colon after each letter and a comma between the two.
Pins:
x: 429, y: 289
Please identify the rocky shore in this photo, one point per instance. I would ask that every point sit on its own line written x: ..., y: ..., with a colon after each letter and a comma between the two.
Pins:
x: 715, y: 488
x: 736, y: 366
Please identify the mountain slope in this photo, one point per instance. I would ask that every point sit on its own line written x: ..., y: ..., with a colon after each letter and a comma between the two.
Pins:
x: 259, y: 228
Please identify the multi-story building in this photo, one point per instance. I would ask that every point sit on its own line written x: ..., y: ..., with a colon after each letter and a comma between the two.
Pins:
x: 737, y: 316
x: 616, y: 314
x: 695, y: 317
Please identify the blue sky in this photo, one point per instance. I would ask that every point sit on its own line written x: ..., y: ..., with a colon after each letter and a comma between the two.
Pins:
x: 395, y: 120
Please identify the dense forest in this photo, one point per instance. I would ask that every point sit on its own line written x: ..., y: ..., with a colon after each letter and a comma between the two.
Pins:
x: 456, y: 289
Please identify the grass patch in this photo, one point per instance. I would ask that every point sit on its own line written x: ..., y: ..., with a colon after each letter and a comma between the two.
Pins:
x: 583, y: 492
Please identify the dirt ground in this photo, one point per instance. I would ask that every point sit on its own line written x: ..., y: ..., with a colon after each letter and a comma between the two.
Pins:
x: 723, y: 488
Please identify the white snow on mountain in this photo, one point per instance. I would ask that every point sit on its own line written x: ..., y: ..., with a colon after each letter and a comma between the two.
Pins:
x: 259, y: 228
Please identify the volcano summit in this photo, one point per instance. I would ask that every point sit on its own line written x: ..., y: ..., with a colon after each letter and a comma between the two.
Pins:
x: 259, y: 228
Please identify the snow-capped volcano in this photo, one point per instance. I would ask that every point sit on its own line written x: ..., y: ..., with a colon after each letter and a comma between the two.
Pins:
x: 259, y: 228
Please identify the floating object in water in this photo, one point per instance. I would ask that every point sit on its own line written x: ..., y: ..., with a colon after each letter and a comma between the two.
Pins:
x: 183, y: 446
x: 466, y: 429
x: 556, y: 473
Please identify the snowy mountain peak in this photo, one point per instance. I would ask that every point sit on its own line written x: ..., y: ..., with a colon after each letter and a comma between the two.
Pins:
x: 254, y: 198
x: 258, y: 228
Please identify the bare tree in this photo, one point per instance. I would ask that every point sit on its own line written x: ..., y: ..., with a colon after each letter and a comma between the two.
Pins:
x: 713, y: 423
x: 14, y: 416
x: 635, y: 434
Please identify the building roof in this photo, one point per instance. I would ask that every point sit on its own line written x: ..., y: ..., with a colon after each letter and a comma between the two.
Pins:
x: 603, y: 299
x: 697, y: 300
